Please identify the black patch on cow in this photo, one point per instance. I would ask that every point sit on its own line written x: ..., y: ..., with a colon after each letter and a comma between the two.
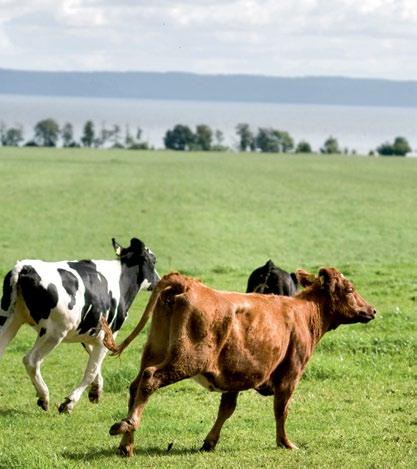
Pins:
x: 113, y: 311
x: 97, y: 298
x: 42, y: 332
x: 40, y: 301
x: 270, y: 279
x: 70, y: 284
x: 7, y: 292
x: 3, y: 319
x: 120, y: 318
x: 138, y: 264
x: 265, y: 390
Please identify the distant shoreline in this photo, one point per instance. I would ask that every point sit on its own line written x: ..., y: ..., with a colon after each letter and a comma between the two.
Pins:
x: 357, y: 128
x: 176, y: 86
x: 204, y: 101
x: 198, y: 101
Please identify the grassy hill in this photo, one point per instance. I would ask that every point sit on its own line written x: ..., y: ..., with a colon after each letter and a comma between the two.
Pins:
x: 217, y: 217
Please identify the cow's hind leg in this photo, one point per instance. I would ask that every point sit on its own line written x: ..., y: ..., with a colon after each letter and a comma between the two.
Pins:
x: 95, y: 360
x: 9, y: 330
x: 44, y: 344
x: 151, y: 379
x: 227, y: 407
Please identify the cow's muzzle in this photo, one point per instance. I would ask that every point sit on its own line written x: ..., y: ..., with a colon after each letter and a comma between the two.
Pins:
x: 366, y: 315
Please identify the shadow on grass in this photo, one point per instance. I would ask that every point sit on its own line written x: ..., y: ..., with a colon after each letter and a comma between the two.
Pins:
x: 13, y: 412
x: 100, y: 453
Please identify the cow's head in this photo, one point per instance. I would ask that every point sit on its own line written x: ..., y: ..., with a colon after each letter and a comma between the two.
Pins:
x: 139, y: 259
x: 344, y: 304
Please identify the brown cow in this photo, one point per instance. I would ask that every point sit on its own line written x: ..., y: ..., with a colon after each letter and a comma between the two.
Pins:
x: 230, y: 342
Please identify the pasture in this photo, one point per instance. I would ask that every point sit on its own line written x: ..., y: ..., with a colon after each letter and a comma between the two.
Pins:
x: 217, y: 217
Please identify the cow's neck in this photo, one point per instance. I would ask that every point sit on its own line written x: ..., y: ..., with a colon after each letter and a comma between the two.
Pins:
x: 318, y: 317
x: 128, y: 285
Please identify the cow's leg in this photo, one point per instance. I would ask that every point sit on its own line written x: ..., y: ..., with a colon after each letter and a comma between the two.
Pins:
x: 151, y: 379
x: 126, y: 444
x: 95, y: 360
x: 227, y: 407
x: 282, y: 395
x: 44, y: 344
x: 9, y: 330
x: 150, y: 357
x: 96, y: 387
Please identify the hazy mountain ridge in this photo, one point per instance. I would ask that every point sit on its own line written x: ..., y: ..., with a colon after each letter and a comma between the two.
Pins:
x: 189, y: 86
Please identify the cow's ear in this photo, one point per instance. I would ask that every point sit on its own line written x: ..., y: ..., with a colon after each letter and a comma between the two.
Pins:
x: 327, y: 279
x: 116, y: 246
x: 270, y: 265
x: 304, y: 278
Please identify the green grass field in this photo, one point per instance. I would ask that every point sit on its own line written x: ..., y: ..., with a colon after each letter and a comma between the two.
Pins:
x: 217, y: 217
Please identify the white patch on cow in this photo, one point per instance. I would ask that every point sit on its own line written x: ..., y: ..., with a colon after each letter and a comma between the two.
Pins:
x: 145, y: 285
x: 203, y: 381
x: 88, y: 310
x: 112, y: 271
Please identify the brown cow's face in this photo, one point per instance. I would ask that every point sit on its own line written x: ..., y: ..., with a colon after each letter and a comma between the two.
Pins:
x: 347, y: 305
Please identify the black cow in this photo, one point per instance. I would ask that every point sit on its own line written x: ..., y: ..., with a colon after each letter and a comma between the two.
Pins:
x: 63, y: 301
x: 270, y: 279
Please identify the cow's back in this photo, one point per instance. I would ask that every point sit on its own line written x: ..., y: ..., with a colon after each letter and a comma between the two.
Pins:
x: 73, y: 292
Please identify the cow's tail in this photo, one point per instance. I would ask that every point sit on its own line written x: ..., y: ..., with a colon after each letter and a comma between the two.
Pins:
x: 108, y: 339
x: 8, y: 299
x: 171, y: 284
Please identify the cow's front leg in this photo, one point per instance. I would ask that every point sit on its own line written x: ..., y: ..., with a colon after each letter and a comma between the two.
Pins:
x: 151, y: 379
x: 282, y: 395
x: 96, y: 387
x: 227, y: 407
x: 44, y: 344
x: 95, y: 360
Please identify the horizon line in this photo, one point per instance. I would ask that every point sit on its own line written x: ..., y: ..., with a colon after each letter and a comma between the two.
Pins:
x: 213, y: 75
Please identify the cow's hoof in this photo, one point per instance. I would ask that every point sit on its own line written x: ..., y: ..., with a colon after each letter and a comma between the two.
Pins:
x: 120, y: 427
x: 126, y: 451
x: 287, y: 444
x: 65, y: 407
x: 43, y: 404
x: 208, y: 446
x: 94, y: 394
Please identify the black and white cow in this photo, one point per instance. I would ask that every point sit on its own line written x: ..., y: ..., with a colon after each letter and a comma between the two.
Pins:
x: 270, y: 279
x: 63, y: 301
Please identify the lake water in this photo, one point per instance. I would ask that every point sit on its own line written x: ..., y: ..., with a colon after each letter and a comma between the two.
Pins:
x: 359, y: 128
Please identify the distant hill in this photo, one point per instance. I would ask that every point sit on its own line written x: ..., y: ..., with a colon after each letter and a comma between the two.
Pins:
x: 189, y: 86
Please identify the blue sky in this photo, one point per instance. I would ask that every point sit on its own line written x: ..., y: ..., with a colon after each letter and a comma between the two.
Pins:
x: 355, y: 38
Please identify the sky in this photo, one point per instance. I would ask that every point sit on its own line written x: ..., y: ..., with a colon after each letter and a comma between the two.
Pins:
x: 353, y: 38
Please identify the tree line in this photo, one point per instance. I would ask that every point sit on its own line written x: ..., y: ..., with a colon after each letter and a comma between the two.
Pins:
x: 47, y: 133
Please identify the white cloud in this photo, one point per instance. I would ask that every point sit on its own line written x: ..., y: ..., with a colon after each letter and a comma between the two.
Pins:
x: 5, y: 43
x: 75, y: 14
x: 350, y: 37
